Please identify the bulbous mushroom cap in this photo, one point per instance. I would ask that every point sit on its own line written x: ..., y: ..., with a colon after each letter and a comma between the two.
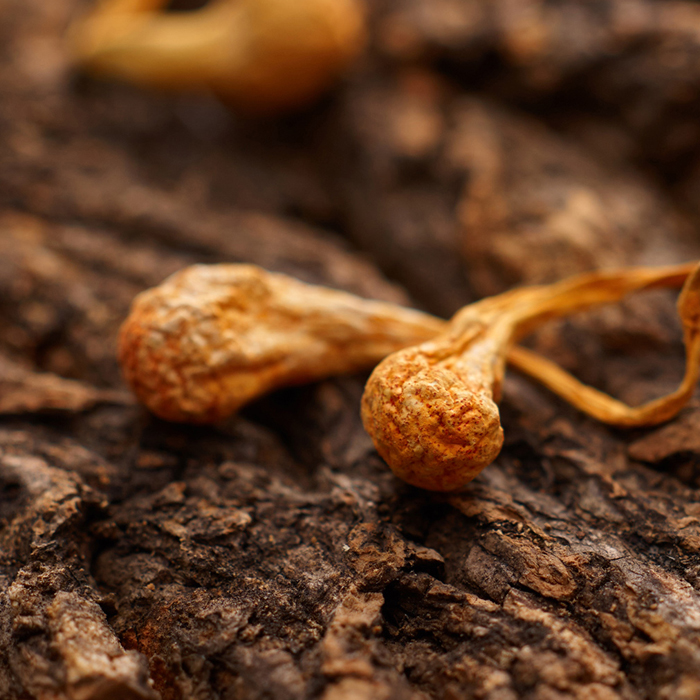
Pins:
x: 431, y: 429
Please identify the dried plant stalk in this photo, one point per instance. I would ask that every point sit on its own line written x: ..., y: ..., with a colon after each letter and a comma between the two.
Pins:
x: 212, y: 338
x: 431, y: 409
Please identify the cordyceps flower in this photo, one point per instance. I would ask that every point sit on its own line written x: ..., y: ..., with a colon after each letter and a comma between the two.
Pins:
x: 432, y: 411
x: 258, y: 55
x: 212, y: 338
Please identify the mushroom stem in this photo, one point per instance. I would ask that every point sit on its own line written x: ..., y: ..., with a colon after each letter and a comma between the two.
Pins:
x: 607, y: 409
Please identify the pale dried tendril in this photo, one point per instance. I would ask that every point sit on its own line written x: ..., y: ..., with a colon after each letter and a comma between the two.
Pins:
x: 431, y: 409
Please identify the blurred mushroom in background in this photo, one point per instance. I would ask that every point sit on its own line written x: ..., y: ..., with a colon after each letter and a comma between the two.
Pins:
x: 257, y: 55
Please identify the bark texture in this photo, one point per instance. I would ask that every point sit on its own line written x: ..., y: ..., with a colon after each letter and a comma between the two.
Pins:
x: 275, y: 556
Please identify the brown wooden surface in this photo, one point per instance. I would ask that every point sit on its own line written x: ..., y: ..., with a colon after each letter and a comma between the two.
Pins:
x: 475, y: 146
